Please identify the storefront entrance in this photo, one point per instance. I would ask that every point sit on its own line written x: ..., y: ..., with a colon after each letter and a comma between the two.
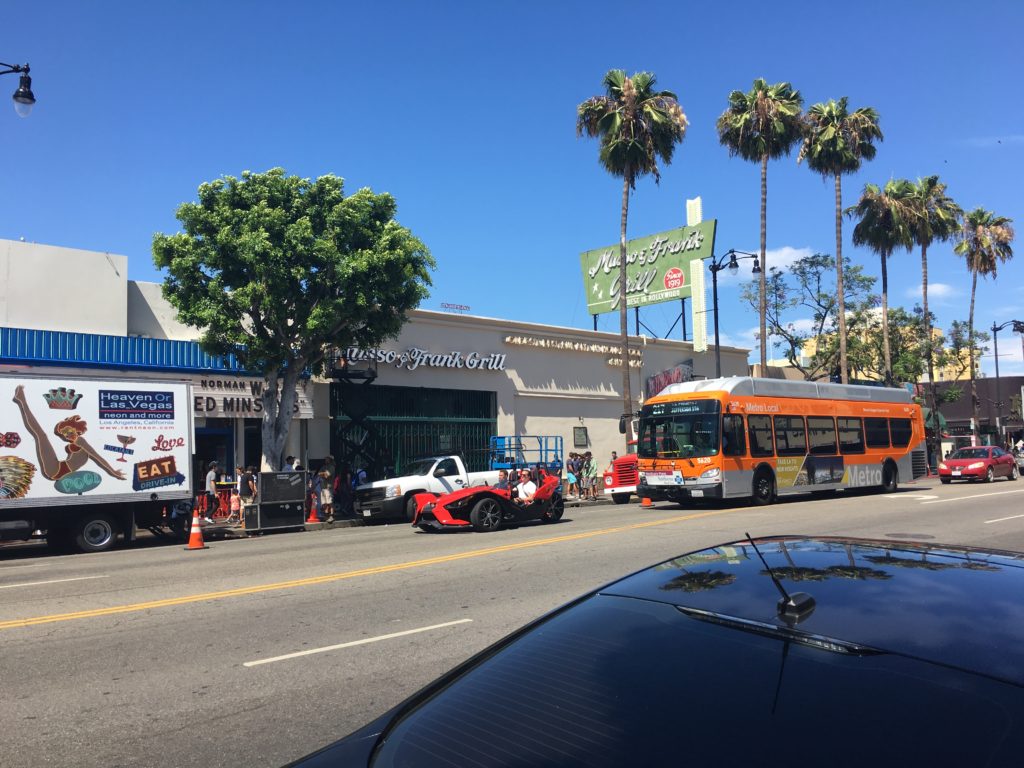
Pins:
x: 382, y: 428
x: 213, y: 443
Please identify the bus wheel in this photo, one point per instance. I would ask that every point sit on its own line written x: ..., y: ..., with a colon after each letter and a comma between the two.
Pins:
x: 764, y: 488
x: 890, y: 477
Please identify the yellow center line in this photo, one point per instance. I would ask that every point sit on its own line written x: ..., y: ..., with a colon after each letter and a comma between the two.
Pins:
x: 328, y: 578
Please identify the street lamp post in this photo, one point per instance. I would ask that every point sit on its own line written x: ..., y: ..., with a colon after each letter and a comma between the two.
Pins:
x: 716, y: 266
x: 1018, y: 327
x: 23, y: 97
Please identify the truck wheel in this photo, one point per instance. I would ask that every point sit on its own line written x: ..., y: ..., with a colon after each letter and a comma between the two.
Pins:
x: 410, y: 508
x: 621, y: 498
x: 94, y: 533
x: 486, y: 515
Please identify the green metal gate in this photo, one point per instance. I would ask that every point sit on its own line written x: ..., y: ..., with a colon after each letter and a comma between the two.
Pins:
x: 382, y: 428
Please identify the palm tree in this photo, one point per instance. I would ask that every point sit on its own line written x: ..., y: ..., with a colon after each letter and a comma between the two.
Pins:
x: 938, y: 218
x: 762, y: 124
x: 885, y: 219
x: 984, y: 241
x: 835, y: 142
x: 637, y: 126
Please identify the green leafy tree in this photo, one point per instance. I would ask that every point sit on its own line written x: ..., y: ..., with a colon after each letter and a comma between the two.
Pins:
x: 984, y: 241
x: 937, y: 219
x: 759, y: 125
x: 637, y: 127
x: 955, y: 353
x: 885, y: 217
x: 835, y: 142
x: 278, y: 269
x: 905, y: 362
x: 806, y: 292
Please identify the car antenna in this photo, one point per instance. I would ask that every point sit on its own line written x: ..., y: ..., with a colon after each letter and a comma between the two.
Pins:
x: 792, y: 608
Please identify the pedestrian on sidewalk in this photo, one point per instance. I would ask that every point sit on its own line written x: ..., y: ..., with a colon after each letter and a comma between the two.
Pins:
x: 590, y: 475
x: 236, y: 506
x: 326, y: 475
x: 211, y: 492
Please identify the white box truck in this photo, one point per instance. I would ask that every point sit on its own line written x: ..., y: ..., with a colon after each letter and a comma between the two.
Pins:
x: 89, y: 460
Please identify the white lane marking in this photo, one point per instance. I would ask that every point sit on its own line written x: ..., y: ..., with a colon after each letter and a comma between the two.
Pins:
x: 16, y: 567
x: 901, y: 496
x: 1001, y: 519
x: 364, y: 641
x: 51, y: 581
x: 974, y: 496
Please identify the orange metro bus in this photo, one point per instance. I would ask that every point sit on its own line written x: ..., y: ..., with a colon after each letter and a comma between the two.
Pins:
x: 742, y: 437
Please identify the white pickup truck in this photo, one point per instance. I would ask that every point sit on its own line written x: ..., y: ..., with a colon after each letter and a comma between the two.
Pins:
x: 393, y: 498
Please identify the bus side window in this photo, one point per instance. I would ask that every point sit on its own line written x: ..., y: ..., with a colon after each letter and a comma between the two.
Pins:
x: 734, y: 442
x: 790, y: 437
x: 877, y: 432
x: 851, y: 437
x: 760, y: 435
x: 901, y: 432
x: 822, y: 432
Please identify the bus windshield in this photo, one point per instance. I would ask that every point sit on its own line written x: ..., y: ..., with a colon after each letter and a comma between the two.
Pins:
x: 679, y: 430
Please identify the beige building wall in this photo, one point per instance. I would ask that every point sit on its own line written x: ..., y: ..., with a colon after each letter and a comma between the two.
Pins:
x: 49, y: 288
x: 150, y: 316
x: 552, y: 379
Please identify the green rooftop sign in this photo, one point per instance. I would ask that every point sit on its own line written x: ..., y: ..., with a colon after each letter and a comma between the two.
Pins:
x: 657, y: 268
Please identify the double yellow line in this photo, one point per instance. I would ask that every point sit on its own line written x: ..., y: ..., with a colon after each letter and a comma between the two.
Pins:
x: 328, y: 578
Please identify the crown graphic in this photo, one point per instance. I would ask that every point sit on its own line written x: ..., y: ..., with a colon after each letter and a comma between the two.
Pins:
x: 62, y: 399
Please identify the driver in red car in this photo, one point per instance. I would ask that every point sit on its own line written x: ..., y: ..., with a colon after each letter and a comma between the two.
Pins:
x: 526, y: 488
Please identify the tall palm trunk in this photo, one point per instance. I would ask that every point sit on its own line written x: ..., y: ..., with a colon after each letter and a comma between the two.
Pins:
x: 627, y: 395
x: 929, y: 351
x: 762, y: 304
x: 840, y: 298
x: 886, y: 359
x: 975, y: 405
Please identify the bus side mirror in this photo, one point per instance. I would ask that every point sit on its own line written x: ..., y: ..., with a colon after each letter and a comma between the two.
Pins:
x: 622, y: 424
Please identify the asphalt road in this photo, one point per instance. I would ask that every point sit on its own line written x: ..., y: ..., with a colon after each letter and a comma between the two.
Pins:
x: 156, y: 656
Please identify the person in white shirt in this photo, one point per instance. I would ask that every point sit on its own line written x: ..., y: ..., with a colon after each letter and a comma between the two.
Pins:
x: 526, y: 488
x: 211, y: 492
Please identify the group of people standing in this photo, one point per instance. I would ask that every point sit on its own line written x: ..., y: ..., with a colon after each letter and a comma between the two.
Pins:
x: 581, y: 472
x: 331, y: 488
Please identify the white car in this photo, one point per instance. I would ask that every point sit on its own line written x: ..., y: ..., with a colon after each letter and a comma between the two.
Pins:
x: 394, y: 498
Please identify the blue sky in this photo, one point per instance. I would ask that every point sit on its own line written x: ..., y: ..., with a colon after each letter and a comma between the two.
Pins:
x: 466, y: 113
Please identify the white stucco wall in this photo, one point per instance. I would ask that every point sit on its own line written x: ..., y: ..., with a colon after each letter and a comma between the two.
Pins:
x: 151, y: 316
x: 49, y: 288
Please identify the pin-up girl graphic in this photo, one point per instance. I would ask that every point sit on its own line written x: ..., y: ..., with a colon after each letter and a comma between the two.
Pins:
x: 70, y: 430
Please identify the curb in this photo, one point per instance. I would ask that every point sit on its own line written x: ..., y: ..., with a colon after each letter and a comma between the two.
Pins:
x: 349, y: 522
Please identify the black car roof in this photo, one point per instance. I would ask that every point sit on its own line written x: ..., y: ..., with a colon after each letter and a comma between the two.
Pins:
x: 948, y: 605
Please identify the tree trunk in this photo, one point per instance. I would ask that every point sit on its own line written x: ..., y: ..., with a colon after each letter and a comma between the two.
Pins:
x: 930, y: 353
x: 763, y: 302
x: 840, y: 297
x: 886, y: 359
x: 975, y: 405
x: 278, y: 408
x: 627, y: 394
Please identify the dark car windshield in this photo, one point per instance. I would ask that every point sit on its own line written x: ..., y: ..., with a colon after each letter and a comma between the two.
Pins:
x: 684, y: 429
x: 971, y: 453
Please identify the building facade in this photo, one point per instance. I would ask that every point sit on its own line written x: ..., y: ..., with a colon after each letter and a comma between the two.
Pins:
x: 446, y: 384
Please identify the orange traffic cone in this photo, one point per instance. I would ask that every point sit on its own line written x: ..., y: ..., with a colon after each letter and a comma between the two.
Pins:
x: 313, y: 518
x: 645, y: 502
x: 195, y: 539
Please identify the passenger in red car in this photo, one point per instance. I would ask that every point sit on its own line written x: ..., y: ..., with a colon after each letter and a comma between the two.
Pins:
x: 526, y: 489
